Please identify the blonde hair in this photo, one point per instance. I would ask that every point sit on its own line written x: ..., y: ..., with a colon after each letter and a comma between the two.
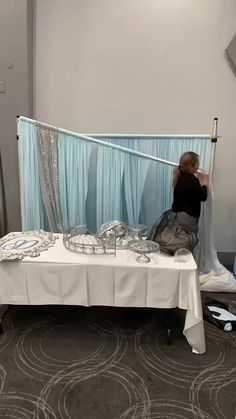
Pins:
x: 186, y: 164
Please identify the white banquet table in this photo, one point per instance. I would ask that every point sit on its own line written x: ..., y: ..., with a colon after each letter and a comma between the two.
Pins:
x: 59, y: 276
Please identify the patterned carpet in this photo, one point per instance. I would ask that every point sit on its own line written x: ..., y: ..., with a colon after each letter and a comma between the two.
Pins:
x: 73, y: 362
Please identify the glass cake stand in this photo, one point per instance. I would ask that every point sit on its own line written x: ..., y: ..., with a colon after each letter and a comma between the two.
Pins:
x: 143, y: 249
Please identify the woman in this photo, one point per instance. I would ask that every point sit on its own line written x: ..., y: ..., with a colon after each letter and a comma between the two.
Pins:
x: 178, y: 227
x: 189, y: 192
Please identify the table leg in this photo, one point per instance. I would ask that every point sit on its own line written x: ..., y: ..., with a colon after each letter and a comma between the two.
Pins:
x: 3, y: 310
x: 168, y: 327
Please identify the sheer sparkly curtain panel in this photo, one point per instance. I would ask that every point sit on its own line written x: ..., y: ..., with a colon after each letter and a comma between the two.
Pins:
x: 47, y: 150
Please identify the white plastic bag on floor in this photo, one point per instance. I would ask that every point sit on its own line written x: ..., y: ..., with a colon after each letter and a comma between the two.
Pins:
x: 213, y: 275
x: 223, y: 281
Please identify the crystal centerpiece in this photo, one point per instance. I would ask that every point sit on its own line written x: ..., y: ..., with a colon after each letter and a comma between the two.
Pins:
x: 115, y: 233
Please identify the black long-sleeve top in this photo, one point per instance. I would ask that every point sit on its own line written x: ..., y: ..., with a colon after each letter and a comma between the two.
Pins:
x: 188, y: 194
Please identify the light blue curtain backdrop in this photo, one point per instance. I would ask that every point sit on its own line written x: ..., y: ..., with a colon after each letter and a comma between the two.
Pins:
x: 146, y: 186
x: 73, y: 162
x: 98, y: 184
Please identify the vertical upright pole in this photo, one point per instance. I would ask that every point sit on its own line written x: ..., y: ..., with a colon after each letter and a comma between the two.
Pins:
x: 213, y: 147
x: 17, y: 127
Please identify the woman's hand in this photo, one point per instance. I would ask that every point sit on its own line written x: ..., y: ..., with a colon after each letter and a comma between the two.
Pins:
x: 204, y: 179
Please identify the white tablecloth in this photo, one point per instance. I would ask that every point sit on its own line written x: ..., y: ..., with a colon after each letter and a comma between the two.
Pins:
x: 59, y: 276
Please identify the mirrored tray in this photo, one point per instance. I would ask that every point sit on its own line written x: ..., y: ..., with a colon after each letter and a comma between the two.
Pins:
x: 143, y: 249
x: 80, y: 240
x: 15, y: 246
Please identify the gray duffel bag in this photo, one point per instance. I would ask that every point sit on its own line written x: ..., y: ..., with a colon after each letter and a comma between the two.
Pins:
x: 175, y: 231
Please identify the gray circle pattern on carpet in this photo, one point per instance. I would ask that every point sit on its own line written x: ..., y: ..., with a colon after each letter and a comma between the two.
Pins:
x: 110, y: 363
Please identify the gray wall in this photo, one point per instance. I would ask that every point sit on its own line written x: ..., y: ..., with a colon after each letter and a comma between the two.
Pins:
x: 16, y: 71
x: 155, y: 66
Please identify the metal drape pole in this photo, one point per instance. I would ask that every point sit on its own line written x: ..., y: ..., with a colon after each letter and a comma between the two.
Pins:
x: 213, y: 147
x: 17, y: 126
x: 105, y: 144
